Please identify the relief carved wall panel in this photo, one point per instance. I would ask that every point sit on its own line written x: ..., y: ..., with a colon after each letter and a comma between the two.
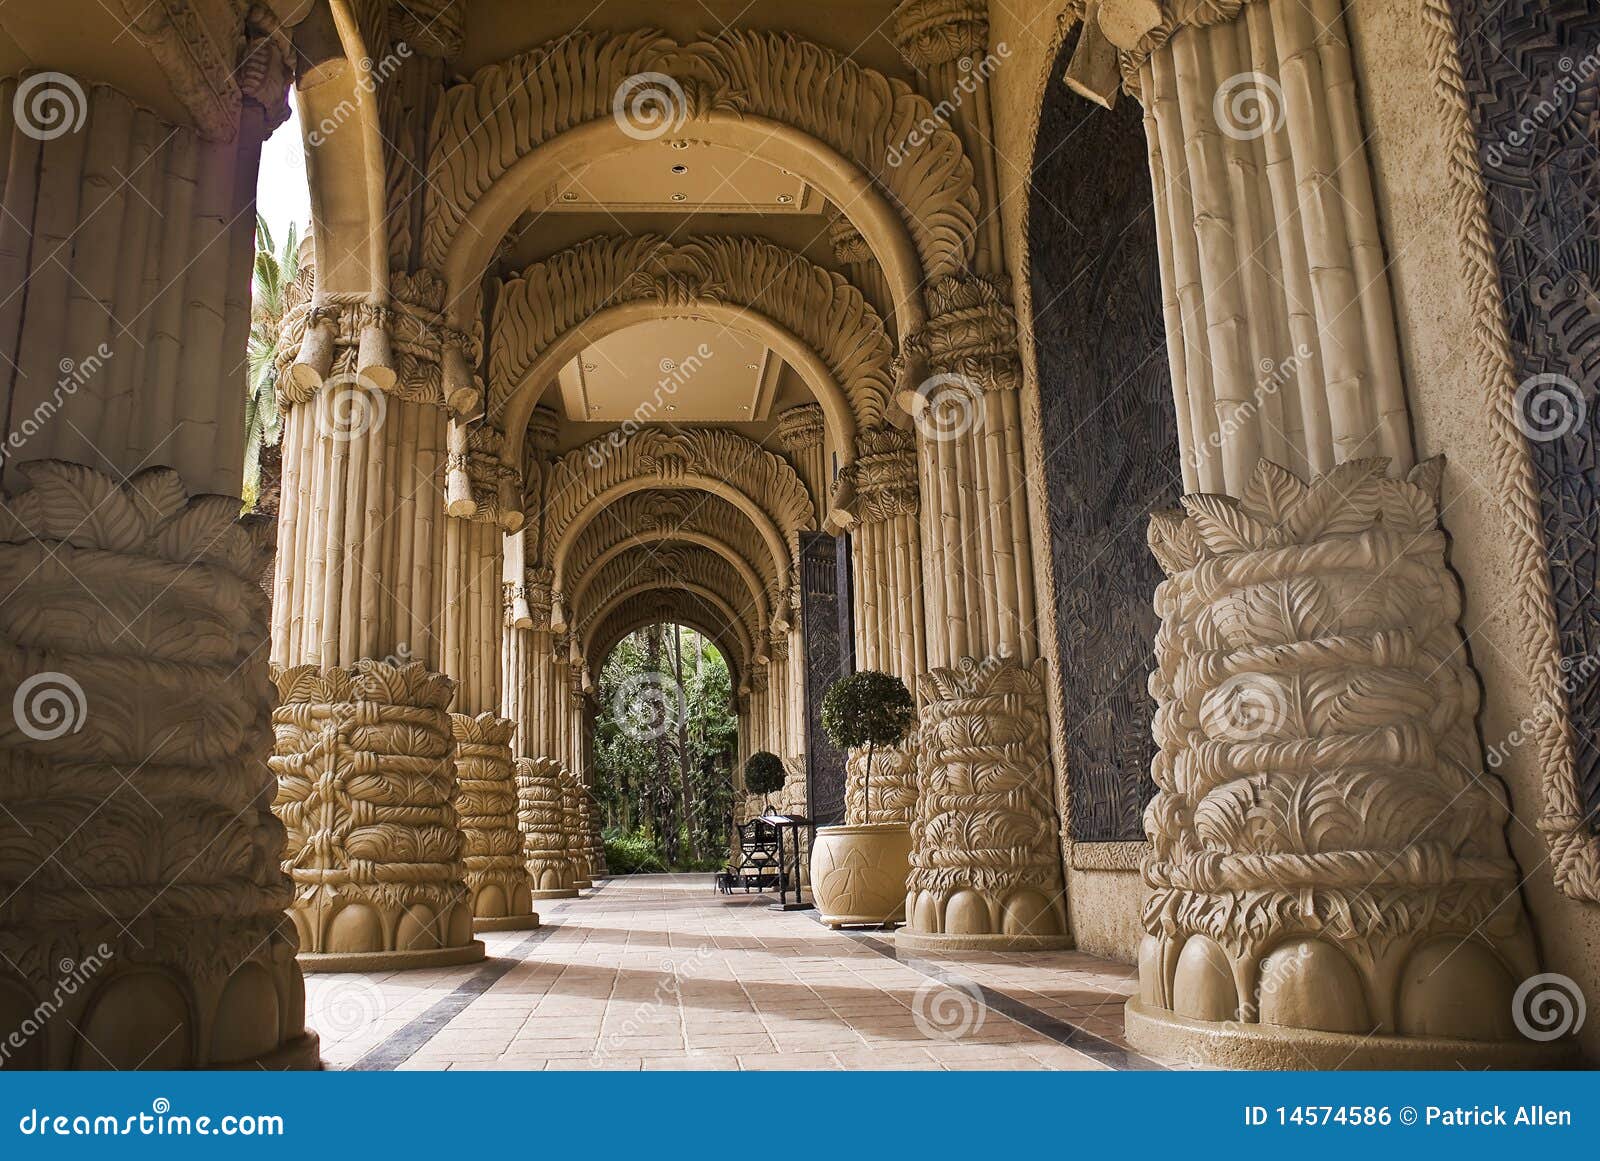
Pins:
x: 1110, y: 442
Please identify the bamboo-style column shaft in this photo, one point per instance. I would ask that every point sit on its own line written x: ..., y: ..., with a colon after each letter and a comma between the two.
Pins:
x: 801, y: 434
x: 1280, y: 323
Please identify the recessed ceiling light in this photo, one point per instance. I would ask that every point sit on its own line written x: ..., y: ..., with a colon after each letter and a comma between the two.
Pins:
x: 785, y: 199
x: 680, y: 197
x: 569, y: 196
x: 744, y: 407
x: 752, y: 366
x: 679, y: 144
x: 588, y: 366
x: 680, y: 169
x: 672, y: 407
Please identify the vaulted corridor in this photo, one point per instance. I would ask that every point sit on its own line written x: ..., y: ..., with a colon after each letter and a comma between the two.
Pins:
x: 658, y: 971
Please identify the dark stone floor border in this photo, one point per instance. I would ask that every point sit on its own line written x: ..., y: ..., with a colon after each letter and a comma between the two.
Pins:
x: 404, y: 1043
x: 1063, y: 1032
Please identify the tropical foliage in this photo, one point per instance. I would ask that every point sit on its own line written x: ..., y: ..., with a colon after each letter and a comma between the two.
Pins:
x: 275, y: 272
x: 764, y: 773
x: 664, y: 741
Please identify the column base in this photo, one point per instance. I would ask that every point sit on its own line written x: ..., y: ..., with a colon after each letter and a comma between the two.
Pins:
x: 1277, y: 1047
x: 936, y: 942
x: 303, y: 1054
x: 389, y: 961
x: 583, y: 884
x: 557, y: 893
x: 528, y: 922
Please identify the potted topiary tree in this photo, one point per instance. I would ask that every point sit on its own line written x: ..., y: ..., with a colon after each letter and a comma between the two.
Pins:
x: 858, y: 869
x: 764, y: 775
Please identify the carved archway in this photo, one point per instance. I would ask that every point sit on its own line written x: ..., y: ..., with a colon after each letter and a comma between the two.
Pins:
x: 646, y: 517
x: 814, y: 318
x: 796, y: 104
x: 643, y: 542
x: 749, y: 644
x: 759, y: 483
x: 670, y: 607
x: 686, y: 562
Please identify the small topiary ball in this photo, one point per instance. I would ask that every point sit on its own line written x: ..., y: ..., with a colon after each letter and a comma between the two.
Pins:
x: 764, y: 773
x: 868, y: 708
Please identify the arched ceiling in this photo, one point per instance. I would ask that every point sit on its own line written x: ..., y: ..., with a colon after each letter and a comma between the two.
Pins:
x: 760, y: 484
x: 660, y: 518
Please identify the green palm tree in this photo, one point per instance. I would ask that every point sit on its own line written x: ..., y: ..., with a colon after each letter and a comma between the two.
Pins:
x: 274, y: 273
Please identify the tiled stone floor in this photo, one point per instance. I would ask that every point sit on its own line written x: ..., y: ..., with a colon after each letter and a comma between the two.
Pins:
x: 660, y: 972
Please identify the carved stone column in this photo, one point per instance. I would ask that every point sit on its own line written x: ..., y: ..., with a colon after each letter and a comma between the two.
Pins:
x: 141, y: 859
x: 486, y: 800
x: 851, y: 250
x: 888, y: 608
x: 474, y: 632
x: 947, y: 42
x: 366, y: 789
x: 1280, y: 325
x: 543, y: 818
x: 985, y: 864
x: 573, y: 829
x: 760, y: 718
x: 594, y: 841
x: 364, y: 746
x: 986, y: 868
x: 1331, y: 883
x: 800, y: 431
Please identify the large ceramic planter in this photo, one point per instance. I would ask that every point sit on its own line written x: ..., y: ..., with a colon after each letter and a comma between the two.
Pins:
x: 858, y: 873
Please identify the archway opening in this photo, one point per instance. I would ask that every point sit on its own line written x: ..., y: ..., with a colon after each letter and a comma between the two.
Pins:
x: 665, y: 739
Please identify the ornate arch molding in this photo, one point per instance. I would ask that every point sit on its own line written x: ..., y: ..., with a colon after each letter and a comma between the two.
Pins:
x: 649, y: 517
x: 686, y: 563
x: 771, y: 90
x: 565, y: 299
x: 594, y: 553
x: 759, y: 483
x: 674, y: 606
x: 1553, y: 630
x: 720, y: 612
